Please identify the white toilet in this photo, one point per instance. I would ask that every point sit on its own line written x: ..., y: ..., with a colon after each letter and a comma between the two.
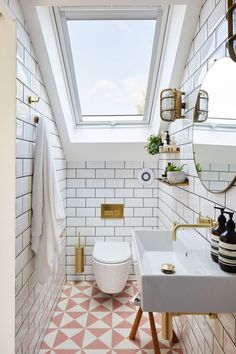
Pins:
x: 111, y: 263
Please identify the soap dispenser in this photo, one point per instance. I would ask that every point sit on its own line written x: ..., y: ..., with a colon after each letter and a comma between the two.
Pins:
x: 227, y: 246
x: 215, y: 234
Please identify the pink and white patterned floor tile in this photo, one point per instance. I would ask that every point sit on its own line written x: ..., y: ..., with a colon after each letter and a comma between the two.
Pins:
x: 86, y: 321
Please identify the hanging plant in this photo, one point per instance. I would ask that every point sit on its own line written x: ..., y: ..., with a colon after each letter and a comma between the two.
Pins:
x: 154, y: 141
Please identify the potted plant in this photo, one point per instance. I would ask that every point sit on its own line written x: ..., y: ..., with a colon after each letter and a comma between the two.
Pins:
x: 198, y: 167
x: 154, y: 141
x: 175, y: 174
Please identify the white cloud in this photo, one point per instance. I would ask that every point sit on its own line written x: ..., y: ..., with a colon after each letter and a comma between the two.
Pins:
x: 114, y: 97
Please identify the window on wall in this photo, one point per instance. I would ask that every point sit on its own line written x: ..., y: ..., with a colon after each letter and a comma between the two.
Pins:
x: 110, y: 58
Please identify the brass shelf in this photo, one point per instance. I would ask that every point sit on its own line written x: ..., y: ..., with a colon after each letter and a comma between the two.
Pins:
x: 170, y: 152
x: 185, y: 183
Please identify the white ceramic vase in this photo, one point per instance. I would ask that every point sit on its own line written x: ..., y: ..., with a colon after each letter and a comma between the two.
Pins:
x: 176, y: 177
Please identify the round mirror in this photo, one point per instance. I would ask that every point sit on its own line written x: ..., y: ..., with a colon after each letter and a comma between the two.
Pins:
x: 214, y: 127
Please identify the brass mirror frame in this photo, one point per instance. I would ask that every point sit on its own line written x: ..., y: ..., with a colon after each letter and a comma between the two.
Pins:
x: 231, y: 35
x: 195, y: 162
x: 208, y: 190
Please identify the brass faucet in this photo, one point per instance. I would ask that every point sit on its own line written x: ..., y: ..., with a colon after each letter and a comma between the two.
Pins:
x: 203, y: 222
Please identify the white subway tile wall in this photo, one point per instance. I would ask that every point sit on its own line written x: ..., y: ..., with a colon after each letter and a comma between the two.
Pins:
x: 34, y: 303
x: 90, y: 184
x: 199, y: 334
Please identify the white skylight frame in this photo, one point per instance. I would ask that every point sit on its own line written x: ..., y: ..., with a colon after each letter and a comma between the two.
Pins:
x: 157, y: 13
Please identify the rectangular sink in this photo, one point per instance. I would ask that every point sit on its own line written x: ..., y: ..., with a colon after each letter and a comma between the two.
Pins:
x: 198, y: 284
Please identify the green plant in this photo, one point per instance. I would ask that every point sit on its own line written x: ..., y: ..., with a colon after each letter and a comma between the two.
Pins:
x: 198, y: 167
x: 154, y: 141
x: 173, y: 168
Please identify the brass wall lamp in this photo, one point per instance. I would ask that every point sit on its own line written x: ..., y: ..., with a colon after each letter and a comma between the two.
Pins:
x: 171, y: 105
x: 201, y: 107
x: 231, y: 17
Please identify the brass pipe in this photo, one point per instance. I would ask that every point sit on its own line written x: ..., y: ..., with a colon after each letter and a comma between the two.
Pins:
x: 210, y: 314
x: 203, y: 222
x: 166, y: 326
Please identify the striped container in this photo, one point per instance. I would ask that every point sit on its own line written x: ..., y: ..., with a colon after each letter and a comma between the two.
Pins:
x: 215, y: 247
x: 227, y: 256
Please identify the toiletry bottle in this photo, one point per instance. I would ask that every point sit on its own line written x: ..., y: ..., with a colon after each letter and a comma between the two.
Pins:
x: 167, y: 138
x: 227, y: 247
x: 164, y: 175
x: 215, y: 234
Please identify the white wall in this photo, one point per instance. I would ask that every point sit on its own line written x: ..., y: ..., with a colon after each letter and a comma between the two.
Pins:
x: 30, y: 304
x: 199, y: 334
x: 92, y: 183
x: 7, y: 180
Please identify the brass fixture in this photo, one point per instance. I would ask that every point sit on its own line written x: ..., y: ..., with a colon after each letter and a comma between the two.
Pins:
x: 112, y: 211
x: 168, y: 268
x: 231, y: 17
x: 171, y: 105
x: 185, y: 183
x: 33, y: 99
x: 79, y: 257
x: 201, y: 107
x: 167, y: 326
x: 203, y: 222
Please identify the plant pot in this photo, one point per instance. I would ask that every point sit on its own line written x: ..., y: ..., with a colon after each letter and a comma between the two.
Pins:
x: 176, y: 177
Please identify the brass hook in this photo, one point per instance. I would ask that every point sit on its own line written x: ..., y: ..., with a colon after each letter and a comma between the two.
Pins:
x: 33, y: 99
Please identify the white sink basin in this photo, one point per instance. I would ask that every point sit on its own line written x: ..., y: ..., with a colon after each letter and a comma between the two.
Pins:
x: 198, y: 284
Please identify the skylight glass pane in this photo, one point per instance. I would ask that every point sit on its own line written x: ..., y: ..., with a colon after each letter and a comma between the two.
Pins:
x: 111, y: 61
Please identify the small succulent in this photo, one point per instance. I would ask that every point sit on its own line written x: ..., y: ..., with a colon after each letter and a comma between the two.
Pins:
x: 173, y: 168
x: 154, y: 141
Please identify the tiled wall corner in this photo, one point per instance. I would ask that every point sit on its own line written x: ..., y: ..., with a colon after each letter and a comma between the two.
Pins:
x: 89, y: 184
x: 198, y: 334
x: 34, y: 303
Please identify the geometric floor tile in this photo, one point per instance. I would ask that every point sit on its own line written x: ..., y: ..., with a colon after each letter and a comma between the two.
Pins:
x: 86, y: 321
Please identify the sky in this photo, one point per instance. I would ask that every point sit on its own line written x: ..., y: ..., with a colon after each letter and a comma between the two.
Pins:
x: 112, y: 61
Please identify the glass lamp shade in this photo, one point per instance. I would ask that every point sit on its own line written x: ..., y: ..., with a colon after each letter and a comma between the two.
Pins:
x: 201, y: 107
x: 231, y: 17
x: 171, y: 105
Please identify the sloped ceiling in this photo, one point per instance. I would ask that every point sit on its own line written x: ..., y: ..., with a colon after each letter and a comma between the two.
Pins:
x: 111, y: 143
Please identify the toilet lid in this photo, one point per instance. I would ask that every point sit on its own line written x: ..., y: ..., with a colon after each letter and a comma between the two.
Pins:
x: 111, y: 252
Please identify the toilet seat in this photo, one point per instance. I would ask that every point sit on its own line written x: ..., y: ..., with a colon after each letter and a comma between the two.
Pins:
x: 111, y: 252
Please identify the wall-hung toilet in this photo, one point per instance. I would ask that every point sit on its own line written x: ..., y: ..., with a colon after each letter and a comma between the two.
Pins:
x: 111, y: 263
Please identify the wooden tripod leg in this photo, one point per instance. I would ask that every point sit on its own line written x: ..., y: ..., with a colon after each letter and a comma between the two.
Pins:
x: 136, y: 324
x: 155, y: 340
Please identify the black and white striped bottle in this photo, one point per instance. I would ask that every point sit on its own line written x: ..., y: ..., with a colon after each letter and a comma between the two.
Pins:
x: 215, y: 234
x: 227, y: 247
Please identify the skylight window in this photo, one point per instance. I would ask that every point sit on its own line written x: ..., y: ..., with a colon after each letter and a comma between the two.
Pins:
x: 110, y: 61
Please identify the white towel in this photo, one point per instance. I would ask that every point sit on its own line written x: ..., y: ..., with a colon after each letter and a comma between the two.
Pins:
x: 48, y: 217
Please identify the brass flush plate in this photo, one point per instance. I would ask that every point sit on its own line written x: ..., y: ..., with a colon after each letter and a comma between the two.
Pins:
x: 112, y: 211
